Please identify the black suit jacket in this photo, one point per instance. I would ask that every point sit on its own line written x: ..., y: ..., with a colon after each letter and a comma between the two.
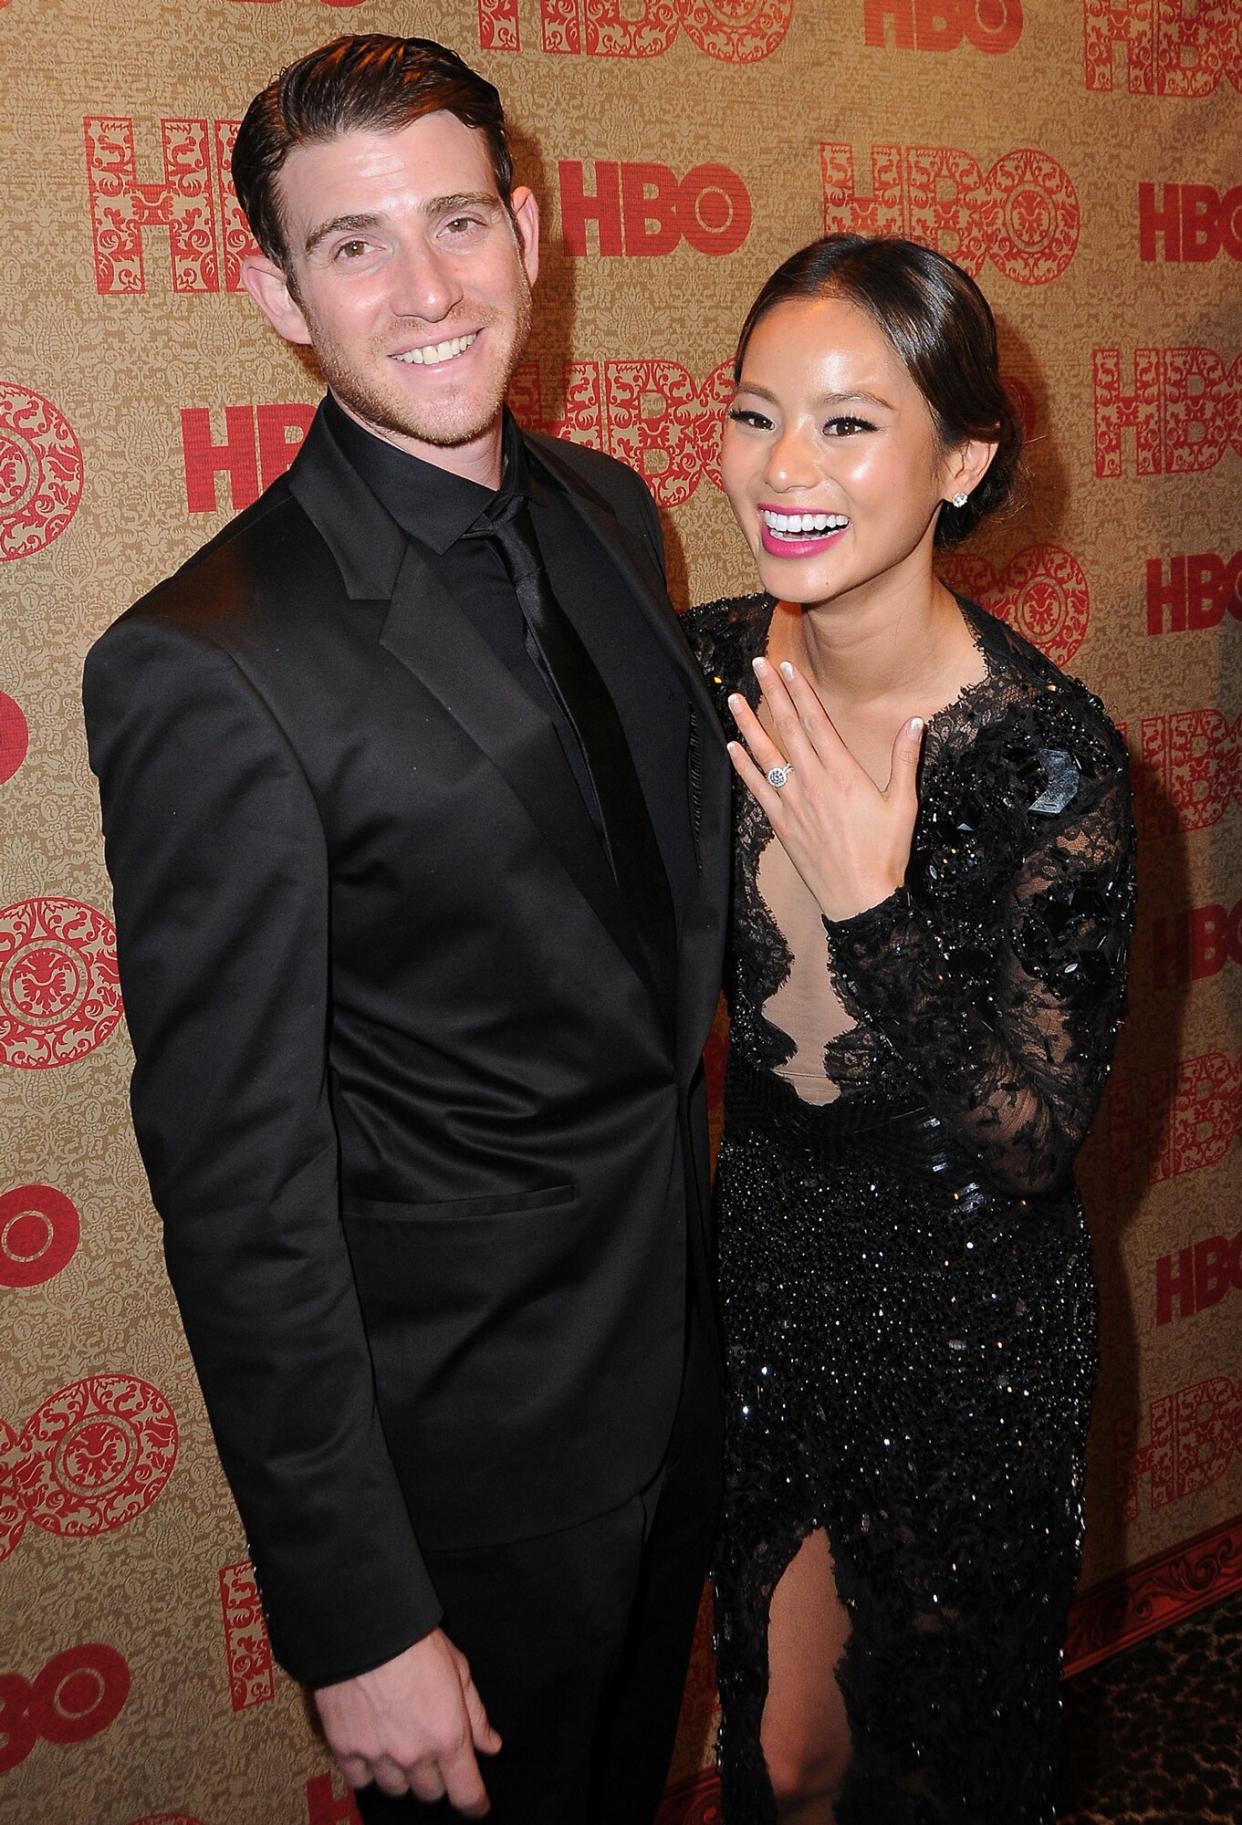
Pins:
x: 407, y: 1107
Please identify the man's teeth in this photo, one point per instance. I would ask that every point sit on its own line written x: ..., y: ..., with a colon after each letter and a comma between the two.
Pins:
x: 438, y: 351
x: 796, y: 525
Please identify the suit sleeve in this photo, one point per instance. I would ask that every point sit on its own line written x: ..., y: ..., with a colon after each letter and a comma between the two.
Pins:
x: 220, y: 879
x: 651, y: 528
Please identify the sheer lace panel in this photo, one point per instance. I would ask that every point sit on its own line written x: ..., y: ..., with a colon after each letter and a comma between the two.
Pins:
x: 991, y: 985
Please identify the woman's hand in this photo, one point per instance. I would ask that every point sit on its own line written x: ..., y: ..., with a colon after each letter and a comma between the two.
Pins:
x: 849, y: 840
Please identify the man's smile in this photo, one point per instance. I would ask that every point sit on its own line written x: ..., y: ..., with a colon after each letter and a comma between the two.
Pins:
x: 437, y: 351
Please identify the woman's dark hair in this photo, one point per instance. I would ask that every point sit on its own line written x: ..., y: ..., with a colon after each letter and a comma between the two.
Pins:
x: 941, y: 327
x: 364, y: 81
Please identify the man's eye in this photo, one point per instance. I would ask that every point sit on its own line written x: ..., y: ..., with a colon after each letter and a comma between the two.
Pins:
x: 351, y: 250
x: 461, y: 224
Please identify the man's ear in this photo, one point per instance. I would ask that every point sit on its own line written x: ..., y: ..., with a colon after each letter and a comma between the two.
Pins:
x: 268, y: 286
x: 526, y: 221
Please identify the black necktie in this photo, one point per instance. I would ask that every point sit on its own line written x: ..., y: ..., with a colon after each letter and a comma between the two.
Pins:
x: 566, y: 664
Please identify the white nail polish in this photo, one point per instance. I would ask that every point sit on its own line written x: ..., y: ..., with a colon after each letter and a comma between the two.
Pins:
x: 787, y: 668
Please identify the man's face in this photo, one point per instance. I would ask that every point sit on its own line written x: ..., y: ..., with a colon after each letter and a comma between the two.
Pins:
x: 410, y: 280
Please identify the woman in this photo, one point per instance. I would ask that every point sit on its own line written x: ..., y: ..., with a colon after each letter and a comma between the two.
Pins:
x: 933, y: 896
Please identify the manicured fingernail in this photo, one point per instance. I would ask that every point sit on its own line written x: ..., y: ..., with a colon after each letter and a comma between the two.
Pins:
x: 916, y: 725
x: 787, y: 668
x: 735, y: 700
x: 760, y: 666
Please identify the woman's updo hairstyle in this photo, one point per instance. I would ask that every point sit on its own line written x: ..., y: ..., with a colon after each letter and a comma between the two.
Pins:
x: 941, y: 327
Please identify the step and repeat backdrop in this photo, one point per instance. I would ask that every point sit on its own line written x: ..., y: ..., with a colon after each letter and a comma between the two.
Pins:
x: 1080, y: 158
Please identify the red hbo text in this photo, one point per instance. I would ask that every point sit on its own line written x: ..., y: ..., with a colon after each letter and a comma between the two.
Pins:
x: 647, y: 209
x: 942, y: 25
x: 725, y: 30
x: 1190, y: 771
x: 192, y: 201
x: 1188, y: 946
x: 1162, y: 47
x: 1197, y: 1278
x: 1192, y: 1438
x: 330, y: 1802
x: 1189, y: 222
x: 654, y: 415
x: 1022, y: 214
x: 1185, y: 594
x: 1173, y: 1120
x: 1181, y: 405
x: 258, y: 445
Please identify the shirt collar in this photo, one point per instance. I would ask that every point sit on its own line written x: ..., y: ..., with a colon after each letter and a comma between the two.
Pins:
x: 431, y: 504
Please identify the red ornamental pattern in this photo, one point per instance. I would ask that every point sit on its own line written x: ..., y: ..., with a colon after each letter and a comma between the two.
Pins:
x: 39, y: 1229
x: 121, y: 207
x: 77, y: 1695
x: 14, y: 733
x: 13, y: 1516
x: 252, y: 1679
x: 1193, y: 1435
x: 1165, y: 1589
x: 60, y: 995
x: 731, y: 31
x: 329, y: 1802
x: 96, y: 1455
x: 1022, y: 214
x: 1022, y: 399
x: 1042, y: 592
x: 692, y: 1802
x: 41, y: 474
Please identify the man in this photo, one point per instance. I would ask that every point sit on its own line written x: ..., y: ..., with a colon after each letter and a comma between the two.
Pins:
x: 416, y: 817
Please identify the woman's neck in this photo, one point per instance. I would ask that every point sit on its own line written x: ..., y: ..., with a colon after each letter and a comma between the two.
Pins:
x: 905, y: 643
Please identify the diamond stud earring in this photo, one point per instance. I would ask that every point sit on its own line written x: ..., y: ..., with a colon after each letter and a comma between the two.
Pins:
x: 959, y: 499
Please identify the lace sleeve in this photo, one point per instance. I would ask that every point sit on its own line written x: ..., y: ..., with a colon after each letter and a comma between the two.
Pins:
x: 1014, y: 1071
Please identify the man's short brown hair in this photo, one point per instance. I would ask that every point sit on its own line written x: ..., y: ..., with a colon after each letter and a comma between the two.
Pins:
x: 364, y: 81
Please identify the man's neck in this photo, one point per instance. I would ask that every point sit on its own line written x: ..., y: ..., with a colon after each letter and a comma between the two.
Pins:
x: 478, y: 460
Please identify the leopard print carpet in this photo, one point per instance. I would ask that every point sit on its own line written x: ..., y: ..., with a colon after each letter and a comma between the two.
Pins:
x: 1152, y: 1736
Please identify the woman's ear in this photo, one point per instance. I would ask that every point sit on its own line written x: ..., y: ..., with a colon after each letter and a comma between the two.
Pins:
x: 965, y: 467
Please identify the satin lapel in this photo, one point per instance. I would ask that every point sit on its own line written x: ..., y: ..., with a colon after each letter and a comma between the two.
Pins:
x: 629, y: 553
x: 425, y: 630
x: 700, y: 966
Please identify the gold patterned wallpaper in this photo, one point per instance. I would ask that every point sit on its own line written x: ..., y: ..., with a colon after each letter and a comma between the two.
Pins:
x: 1080, y: 158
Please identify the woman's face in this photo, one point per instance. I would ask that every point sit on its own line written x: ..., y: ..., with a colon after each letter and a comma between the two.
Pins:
x: 829, y: 456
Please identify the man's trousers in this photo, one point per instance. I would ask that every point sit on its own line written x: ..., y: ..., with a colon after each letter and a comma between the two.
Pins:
x: 578, y: 1641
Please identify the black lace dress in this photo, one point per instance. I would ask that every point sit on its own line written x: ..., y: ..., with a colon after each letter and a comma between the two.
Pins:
x: 907, y: 1288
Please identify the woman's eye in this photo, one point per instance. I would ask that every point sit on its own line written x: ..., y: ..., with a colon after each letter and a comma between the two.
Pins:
x: 846, y: 427
x: 755, y: 420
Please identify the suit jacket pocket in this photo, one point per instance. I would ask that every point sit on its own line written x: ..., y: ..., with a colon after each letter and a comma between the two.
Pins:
x: 454, y: 1210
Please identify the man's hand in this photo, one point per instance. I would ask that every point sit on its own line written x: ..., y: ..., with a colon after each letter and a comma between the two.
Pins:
x: 413, y: 1725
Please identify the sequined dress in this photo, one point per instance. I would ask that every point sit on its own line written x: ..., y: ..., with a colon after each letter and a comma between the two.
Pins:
x: 907, y: 1289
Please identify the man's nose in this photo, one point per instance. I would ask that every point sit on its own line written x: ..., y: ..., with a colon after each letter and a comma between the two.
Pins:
x: 423, y: 285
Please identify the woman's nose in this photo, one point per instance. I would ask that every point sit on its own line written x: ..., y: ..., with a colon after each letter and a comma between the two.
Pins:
x: 791, y: 460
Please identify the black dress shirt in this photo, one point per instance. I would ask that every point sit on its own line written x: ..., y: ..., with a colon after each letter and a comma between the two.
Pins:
x: 439, y: 511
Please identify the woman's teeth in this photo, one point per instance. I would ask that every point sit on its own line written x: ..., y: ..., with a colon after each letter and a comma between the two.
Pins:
x: 798, y: 525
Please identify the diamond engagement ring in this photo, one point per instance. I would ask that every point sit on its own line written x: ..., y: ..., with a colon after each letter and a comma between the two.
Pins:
x: 777, y: 776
